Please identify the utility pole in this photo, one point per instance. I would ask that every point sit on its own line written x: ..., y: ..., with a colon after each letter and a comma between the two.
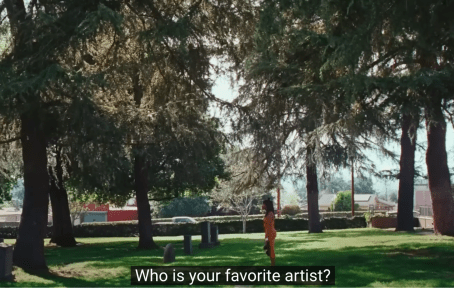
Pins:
x: 353, y: 190
x: 386, y: 189
x: 278, y: 200
x: 278, y: 188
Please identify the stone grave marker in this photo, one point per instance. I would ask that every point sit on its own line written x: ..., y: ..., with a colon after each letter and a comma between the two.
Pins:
x: 6, y: 262
x: 214, y: 235
x: 206, y: 235
x: 169, y: 253
x: 188, y: 244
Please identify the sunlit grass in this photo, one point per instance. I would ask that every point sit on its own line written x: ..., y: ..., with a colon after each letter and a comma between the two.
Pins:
x: 362, y: 257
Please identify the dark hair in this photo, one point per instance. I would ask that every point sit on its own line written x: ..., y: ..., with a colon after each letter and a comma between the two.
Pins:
x: 269, y: 206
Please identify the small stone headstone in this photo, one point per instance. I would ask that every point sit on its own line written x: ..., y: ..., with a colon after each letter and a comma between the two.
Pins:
x: 214, y: 235
x: 206, y: 235
x: 169, y: 253
x: 188, y: 244
x: 6, y: 262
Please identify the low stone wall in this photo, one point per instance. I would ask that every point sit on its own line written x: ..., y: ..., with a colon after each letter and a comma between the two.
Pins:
x: 426, y: 222
x: 389, y: 222
x: 384, y: 222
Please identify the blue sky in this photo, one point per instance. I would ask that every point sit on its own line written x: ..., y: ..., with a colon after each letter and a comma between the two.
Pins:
x: 223, y: 90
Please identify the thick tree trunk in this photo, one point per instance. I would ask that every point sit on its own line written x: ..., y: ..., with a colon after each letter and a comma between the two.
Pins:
x: 141, y: 182
x: 62, y: 231
x: 143, y: 206
x: 29, y: 249
x: 244, y: 226
x: 406, y: 174
x: 437, y: 168
x: 312, y: 195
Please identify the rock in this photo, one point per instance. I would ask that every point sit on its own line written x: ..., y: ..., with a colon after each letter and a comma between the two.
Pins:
x: 169, y: 253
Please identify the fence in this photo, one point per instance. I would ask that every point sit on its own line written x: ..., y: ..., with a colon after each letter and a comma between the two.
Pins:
x: 425, y: 211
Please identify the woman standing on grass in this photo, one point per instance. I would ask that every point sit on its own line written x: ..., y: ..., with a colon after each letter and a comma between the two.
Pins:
x: 270, y: 232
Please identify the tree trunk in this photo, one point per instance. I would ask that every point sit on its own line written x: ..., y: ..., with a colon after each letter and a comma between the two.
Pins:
x: 244, y: 226
x: 312, y: 194
x: 141, y: 181
x: 143, y: 206
x: 407, y: 173
x: 62, y: 231
x: 29, y: 248
x: 437, y: 168
x: 55, y: 203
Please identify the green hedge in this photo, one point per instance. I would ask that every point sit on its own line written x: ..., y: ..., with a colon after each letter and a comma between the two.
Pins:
x: 130, y: 228
x: 291, y: 210
x: 11, y: 232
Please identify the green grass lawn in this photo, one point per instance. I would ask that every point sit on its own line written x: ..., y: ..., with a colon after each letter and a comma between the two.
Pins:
x: 362, y: 257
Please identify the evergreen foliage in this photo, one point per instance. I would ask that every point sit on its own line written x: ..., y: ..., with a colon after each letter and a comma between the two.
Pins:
x: 17, y: 193
x: 343, y: 202
x: 291, y: 210
x: 186, y: 206
x: 5, y: 193
x: 364, y: 186
x: 111, y: 85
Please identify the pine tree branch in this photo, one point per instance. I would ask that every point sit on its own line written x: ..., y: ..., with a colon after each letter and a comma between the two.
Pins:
x: 388, y: 55
x: 10, y: 140
x: 31, y: 6
x: 157, y: 15
x: 160, y: 199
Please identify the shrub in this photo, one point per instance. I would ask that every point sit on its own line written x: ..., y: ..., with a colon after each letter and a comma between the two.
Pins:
x: 11, y: 232
x: 291, y: 210
x: 343, y: 202
x: 367, y: 216
x: 156, y: 207
x: 196, y: 206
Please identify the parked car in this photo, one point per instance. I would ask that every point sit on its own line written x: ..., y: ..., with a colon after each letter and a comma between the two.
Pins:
x: 184, y: 219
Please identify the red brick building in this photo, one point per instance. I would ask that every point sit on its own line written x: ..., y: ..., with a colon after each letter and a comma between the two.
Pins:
x: 125, y: 213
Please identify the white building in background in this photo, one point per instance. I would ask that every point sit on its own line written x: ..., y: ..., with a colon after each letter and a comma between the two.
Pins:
x: 12, y: 215
x: 367, y: 200
x: 325, y: 201
x: 422, y: 196
x: 423, y: 199
x: 363, y: 200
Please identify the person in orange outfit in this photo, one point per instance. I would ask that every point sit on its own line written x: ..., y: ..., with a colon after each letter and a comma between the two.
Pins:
x: 268, y: 223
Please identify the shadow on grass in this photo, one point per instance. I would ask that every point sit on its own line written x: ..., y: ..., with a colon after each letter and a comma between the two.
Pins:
x: 54, y: 278
x: 365, y: 262
x: 349, y: 233
x: 362, y: 266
